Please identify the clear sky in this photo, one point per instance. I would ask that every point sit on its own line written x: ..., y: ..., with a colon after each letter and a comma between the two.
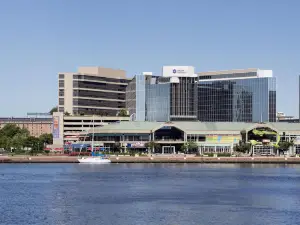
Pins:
x: 39, y: 38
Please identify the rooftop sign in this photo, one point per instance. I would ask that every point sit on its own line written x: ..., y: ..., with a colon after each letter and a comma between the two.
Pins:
x: 178, y: 71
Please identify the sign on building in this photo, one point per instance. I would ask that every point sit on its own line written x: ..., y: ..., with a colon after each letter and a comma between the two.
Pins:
x: 55, y: 131
x: 178, y: 71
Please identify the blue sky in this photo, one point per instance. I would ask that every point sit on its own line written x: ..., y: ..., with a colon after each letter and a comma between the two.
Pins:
x: 40, y: 38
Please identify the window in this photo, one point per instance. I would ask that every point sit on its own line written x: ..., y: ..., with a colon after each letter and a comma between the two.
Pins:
x: 61, y: 83
x: 61, y: 92
x: 75, y: 92
x: 75, y: 84
x: 77, y: 76
x: 61, y: 101
x: 61, y: 76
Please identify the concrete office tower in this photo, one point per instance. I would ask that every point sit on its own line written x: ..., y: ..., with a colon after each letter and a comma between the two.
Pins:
x: 170, y: 97
x: 92, y: 91
x: 247, y: 95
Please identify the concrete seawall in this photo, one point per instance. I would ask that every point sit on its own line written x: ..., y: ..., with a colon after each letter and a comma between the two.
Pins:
x: 145, y: 159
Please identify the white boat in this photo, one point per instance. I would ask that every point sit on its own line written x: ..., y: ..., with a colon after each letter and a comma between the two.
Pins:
x: 101, y: 159
x: 94, y: 160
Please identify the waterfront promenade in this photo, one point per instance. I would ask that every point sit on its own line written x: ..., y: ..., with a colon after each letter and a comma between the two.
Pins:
x: 153, y: 159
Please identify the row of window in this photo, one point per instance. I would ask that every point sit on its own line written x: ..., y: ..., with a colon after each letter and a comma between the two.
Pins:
x: 97, y: 78
x: 93, y: 111
x: 99, y: 94
x: 232, y: 75
x: 99, y: 103
x: 122, y: 138
x: 93, y: 85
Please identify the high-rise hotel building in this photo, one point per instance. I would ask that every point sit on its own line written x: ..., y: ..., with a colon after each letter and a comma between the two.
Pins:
x: 170, y: 97
x: 247, y: 95
x: 92, y: 91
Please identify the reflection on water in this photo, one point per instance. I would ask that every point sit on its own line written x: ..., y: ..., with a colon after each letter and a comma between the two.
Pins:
x: 149, y: 194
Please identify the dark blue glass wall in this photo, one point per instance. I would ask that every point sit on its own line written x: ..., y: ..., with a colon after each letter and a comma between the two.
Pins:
x: 237, y: 100
x: 158, y: 102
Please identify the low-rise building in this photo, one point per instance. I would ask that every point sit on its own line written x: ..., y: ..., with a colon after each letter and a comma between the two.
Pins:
x: 68, y: 129
x: 210, y: 137
x: 35, y: 125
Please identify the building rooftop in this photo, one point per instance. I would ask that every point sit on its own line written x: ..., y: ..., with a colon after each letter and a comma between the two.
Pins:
x: 100, y: 71
x: 238, y: 73
x: 25, y: 119
x: 194, y: 127
x: 228, y: 71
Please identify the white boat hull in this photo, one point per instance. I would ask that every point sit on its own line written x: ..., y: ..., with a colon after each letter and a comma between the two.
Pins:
x: 94, y: 160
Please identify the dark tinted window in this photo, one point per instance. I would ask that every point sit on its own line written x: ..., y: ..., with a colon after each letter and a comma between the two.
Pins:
x: 61, y: 83
x: 61, y: 101
x: 239, y: 100
x: 61, y: 92
x: 100, y: 112
x: 93, y: 85
x: 99, y: 94
x: 96, y: 78
x: 98, y: 103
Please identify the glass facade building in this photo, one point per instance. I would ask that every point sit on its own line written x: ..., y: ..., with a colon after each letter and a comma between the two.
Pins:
x: 237, y: 100
x: 158, y: 102
x: 154, y: 98
x: 135, y: 98
x: 222, y: 96
x: 140, y: 98
x: 184, y: 99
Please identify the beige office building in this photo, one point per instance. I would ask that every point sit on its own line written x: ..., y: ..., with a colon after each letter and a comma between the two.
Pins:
x: 92, y: 91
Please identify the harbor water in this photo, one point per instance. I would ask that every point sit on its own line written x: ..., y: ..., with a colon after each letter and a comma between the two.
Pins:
x: 169, y: 194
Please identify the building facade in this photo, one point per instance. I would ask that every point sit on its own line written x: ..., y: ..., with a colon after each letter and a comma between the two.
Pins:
x: 69, y: 129
x: 281, y: 117
x: 35, y: 126
x: 170, y: 97
x: 92, y: 91
x: 237, y: 96
x: 210, y: 137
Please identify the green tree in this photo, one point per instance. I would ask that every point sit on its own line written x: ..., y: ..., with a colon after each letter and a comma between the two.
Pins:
x: 19, y: 140
x: 54, y: 109
x: 35, y: 144
x: 46, y: 139
x: 152, y: 145
x: 13, y: 137
x: 10, y: 130
x: 67, y: 114
x: 4, y: 142
x: 285, y: 145
x: 123, y: 112
x: 187, y: 146
x: 192, y: 145
x: 31, y: 142
x: 242, y: 147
